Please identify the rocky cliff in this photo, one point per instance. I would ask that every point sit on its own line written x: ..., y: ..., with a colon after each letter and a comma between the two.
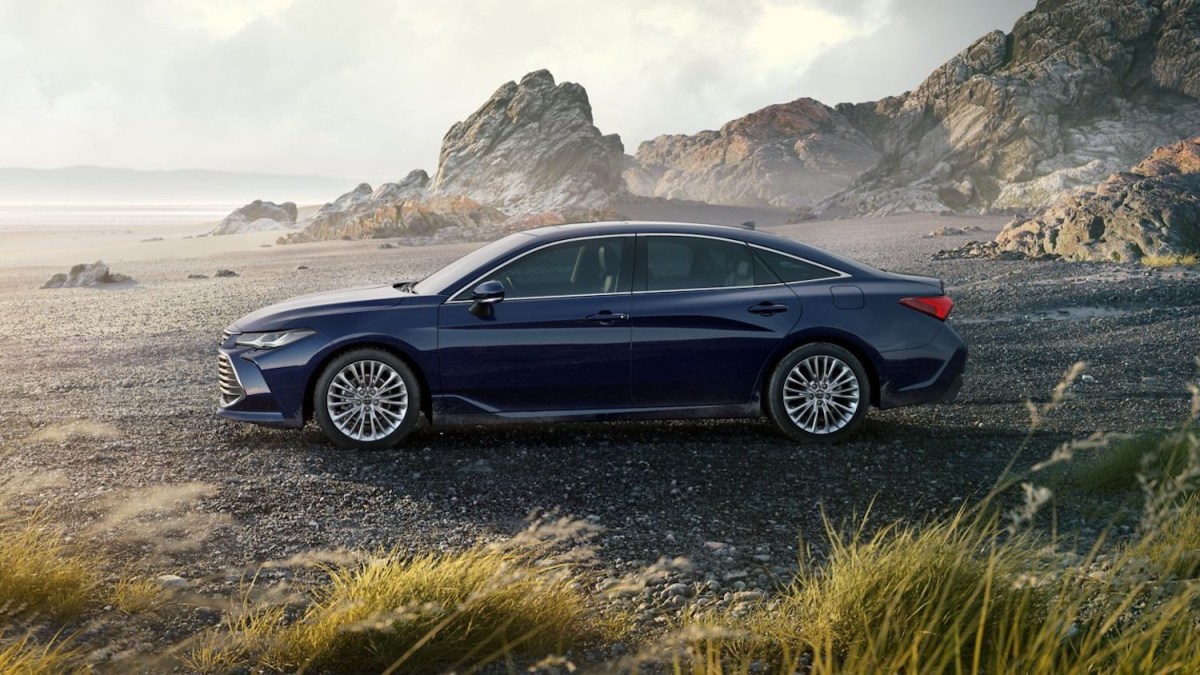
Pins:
x: 790, y: 155
x: 1152, y: 209
x: 1077, y: 90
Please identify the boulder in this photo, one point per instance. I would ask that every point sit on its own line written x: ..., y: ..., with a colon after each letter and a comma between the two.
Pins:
x: 1151, y: 209
x: 258, y: 216
x: 86, y: 274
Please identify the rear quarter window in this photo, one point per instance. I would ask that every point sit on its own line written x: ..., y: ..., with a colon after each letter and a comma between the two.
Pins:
x: 790, y: 269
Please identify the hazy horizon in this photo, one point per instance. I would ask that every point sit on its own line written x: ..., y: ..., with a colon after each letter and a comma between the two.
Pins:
x: 366, y: 90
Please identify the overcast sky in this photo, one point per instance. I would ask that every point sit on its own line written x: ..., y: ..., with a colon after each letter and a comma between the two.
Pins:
x: 366, y: 89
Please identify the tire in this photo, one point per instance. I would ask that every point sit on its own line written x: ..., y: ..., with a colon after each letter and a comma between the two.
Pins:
x: 818, y: 392
x: 377, y: 415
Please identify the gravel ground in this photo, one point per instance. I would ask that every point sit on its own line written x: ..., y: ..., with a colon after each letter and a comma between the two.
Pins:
x: 108, y: 421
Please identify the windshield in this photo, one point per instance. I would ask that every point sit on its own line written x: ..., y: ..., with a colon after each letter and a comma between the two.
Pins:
x: 437, y: 283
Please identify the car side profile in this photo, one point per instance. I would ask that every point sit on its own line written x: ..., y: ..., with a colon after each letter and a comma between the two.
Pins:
x: 603, y: 321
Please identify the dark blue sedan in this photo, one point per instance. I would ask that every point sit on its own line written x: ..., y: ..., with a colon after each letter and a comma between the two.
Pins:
x: 604, y: 321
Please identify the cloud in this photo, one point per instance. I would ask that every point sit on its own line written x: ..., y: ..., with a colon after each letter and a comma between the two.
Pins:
x: 367, y: 89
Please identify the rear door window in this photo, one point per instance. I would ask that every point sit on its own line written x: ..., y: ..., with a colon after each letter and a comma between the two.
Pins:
x: 687, y: 263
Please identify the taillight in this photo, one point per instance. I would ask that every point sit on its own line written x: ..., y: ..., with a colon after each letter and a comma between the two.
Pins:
x: 937, y: 306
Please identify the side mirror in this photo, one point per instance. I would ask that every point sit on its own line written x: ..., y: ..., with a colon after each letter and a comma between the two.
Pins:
x: 484, y: 296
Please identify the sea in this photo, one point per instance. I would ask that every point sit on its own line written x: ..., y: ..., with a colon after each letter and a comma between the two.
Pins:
x: 59, y: 217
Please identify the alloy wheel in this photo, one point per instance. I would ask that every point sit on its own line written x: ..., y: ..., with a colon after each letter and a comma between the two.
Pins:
x: 367, y: 400
x: 821, y: 394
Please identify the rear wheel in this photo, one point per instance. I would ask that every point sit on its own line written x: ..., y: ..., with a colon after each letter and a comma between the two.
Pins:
x: 367, y: 399
x: 819, y: 391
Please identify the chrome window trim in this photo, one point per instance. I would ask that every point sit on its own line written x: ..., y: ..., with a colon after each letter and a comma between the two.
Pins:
x: 510, y: 261
x: 839, y: 274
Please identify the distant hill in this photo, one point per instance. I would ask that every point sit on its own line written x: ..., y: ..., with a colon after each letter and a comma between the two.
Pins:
x: 103, y: 185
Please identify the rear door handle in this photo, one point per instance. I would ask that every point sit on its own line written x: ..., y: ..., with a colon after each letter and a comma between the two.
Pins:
x: 607, y: 317
x: 766, y: 308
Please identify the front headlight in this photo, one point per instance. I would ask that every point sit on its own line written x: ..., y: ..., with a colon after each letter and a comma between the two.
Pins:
x: 273, y: 339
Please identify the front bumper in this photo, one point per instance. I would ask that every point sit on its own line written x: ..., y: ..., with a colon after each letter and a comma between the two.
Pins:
x: 272, y: 393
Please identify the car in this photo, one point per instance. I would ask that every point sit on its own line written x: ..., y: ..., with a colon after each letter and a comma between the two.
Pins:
x: 601, y: 321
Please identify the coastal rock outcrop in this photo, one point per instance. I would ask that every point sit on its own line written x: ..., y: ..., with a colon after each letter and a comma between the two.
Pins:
x: 1152, y: 209
x: 258, y: 216
x: 790, y: 155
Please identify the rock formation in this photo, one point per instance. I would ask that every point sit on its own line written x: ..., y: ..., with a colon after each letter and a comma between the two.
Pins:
x: 529, y: 155
x: 258, y: 216
x: 790, y: 155
x: 1079, y: 89
x: 531, y: 148
x: 85, y: 274
x: 1152, y: 209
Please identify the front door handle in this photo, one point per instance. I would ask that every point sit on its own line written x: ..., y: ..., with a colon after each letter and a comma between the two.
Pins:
x: 607, y: 317
x: 767, y: 308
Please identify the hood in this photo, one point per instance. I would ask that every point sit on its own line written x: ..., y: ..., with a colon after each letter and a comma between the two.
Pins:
x: 285, y: 314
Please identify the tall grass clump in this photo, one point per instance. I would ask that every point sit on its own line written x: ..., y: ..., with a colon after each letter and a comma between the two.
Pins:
x: 1115, y: 467
x: 943, y: 595
x: 423, y: 613
x: 948, y: 596
x: 41, y: 574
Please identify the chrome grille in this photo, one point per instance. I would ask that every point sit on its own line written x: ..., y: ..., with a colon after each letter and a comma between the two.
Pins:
x: 231, y: 388
x: 224, y: 337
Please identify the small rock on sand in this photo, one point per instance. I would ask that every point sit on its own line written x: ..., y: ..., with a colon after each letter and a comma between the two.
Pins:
x: 84, y: 274
x: 225, y: 273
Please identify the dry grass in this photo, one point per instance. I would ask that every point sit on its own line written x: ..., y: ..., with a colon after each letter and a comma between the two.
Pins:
x: 24, y: 657
x: 433, y: 612
x: 1171, y: 260
x: 138, y: 596
x: 952, y: 597
x: 1172, y: 548
x: 41, y: 574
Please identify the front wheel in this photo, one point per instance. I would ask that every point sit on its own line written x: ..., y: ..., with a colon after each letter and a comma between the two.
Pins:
x: 367, y: 399
x: 819, y: 391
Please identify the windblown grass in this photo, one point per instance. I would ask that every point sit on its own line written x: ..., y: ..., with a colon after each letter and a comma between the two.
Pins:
x: 24, y: 657
x: 958, y: 596
x: 424, y: 613
x: 41, y: 574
